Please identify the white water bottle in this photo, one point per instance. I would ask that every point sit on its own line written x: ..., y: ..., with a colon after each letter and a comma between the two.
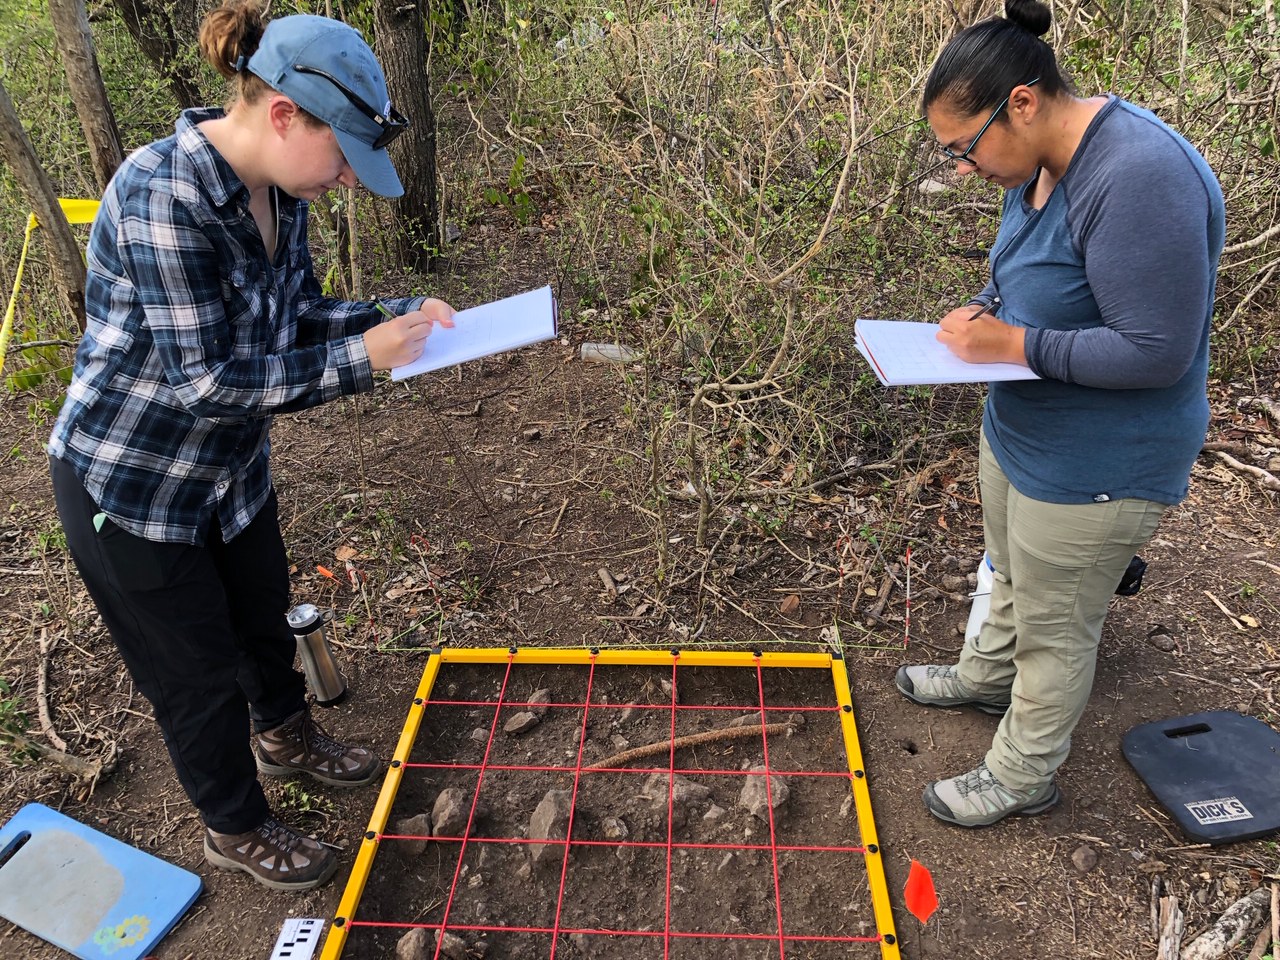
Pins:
x: 981, y: 600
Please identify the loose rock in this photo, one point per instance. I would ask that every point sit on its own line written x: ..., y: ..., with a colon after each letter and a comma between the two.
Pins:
x: 686, y: 791
x: 414, y: 945
x: 753, y: 799
x: 417, y: 826
x: 1085, y: 858
x: 452, y: 945
x: 1160, y: 638
x: 550, y: 821
x: 538, y: 702
x: 450, y: 813
x: 522, y: 722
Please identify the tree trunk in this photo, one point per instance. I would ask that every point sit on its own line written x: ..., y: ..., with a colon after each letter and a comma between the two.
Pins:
x: 75, y: 44
x: 166, y: 33
x: 400, y: 28
x: 65, y: 258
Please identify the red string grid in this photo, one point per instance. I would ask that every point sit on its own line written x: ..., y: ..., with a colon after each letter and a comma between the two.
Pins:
x: 765, y: 902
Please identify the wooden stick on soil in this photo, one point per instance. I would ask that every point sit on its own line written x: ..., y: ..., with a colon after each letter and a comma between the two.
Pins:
x: 1230, y: 928
x: 1260, y: 945
x: 551, y: 534
x: 697, y: 739
x: 83, y: 770
x: 1265, y: 478
x: 890, y: 577
x: 42, y: 693
x: 1171, y: 926
x: 1275, y: 917
x: 1155, y: 907
x: 1235, y: 621
x: 1264, y: 404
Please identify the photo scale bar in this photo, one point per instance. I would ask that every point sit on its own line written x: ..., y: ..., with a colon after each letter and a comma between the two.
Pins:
x: 623, y: 657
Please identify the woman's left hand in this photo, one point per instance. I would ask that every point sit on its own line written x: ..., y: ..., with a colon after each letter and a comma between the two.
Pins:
x: 437, y: 311
x: 981, y: 340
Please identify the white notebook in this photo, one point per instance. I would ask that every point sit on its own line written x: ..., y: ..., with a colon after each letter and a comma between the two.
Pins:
x: 485, y: 330
x: 906, y: 353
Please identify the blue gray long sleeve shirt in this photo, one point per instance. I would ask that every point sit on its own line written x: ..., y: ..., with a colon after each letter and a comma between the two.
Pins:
x: 195, y: 339
x: 1114, y: 280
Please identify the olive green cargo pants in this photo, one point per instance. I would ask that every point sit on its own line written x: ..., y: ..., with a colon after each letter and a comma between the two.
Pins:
x: 1056, y: 568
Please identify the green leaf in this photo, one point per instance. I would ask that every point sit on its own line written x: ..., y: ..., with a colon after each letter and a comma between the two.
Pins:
x: 27, y: 379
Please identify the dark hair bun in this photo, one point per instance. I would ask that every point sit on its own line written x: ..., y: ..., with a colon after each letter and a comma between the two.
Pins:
x: 1031, y: 15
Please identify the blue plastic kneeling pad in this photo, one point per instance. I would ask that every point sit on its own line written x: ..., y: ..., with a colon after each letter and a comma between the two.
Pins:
x: 85, y: 892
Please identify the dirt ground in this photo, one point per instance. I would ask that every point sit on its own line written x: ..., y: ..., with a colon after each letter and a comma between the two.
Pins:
x: 477, y: 507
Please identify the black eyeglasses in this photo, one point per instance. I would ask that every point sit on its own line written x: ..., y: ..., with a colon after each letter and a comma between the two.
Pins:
x: 964, y: 157
x: 391, y: 125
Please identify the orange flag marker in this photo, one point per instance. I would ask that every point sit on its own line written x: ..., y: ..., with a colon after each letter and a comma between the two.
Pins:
x: 920, y: 896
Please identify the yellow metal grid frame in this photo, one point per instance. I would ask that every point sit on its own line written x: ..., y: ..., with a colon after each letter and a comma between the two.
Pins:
x: 874, y: 861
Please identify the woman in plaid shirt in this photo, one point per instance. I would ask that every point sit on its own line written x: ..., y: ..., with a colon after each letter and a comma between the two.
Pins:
x: 205, y: 320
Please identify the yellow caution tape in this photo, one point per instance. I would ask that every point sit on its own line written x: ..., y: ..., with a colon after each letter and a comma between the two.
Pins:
x: 76, y: 211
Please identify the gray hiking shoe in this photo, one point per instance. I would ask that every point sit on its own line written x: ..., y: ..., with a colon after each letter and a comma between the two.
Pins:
x: 274, y: 854
x: 978, y: 799
x: 933, y: 685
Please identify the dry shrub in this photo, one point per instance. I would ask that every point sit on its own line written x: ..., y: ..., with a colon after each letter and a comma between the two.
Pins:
x: 766, y: 179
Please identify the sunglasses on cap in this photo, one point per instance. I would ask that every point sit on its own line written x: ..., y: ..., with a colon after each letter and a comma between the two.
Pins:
x: 392, y: 124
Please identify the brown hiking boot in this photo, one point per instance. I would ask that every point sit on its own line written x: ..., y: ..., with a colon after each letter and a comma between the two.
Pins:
x: 299, y: 746
x: 275, y: 855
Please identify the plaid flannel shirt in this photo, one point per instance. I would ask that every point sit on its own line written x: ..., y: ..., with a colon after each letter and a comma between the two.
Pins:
x: 194, y: 340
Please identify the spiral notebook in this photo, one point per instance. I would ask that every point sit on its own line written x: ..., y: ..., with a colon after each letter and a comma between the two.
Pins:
x: 906, y: 353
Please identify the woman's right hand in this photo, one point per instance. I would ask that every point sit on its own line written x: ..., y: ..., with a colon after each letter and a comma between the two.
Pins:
x: 396, y: 342
x: 981, y: 339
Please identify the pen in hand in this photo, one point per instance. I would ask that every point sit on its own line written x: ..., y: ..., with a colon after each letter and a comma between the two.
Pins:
x: 383, y: 309
x: 985, y: 307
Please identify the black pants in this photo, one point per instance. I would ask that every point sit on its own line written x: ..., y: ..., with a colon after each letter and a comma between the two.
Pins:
x: 202, y: 631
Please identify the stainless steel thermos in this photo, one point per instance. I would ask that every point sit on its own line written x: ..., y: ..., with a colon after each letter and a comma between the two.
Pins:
x: 321, y: 669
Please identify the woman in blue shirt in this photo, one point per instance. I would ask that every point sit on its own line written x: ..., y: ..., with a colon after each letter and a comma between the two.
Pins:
x: 204, y: 320
x: 1102, y: 283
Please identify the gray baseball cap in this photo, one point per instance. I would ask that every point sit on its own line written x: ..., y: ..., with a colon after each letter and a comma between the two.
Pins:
x: 326, y: 68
